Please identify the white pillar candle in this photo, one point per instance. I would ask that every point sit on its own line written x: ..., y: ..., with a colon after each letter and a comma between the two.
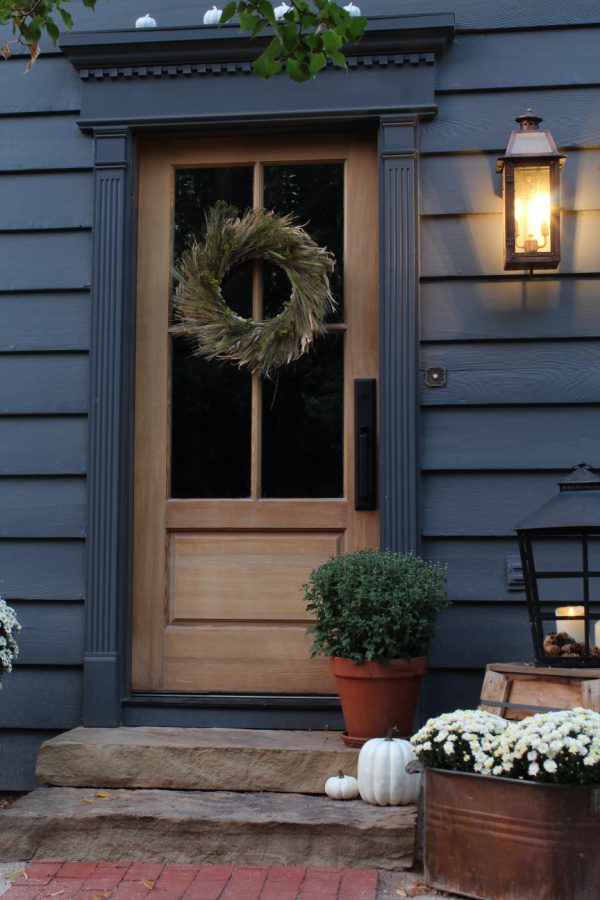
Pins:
x: 574, y: 628
x: 597, y: 634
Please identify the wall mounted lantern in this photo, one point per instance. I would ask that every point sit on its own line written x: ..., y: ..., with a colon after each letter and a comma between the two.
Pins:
x: 560, y: 554
x: 531, y: 189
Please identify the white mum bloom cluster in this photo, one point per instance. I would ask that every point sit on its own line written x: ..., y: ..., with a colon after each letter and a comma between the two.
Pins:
x: 558, y: 747
x: 8, y: 645
x: 461, y: 741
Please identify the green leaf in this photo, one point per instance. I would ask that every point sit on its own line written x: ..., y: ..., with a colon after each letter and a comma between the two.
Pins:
x: 228, y: 11
x: 356, y: 28
x: 89, y: 3
x: 31, y: 32
x: 266, y: 10
x: 248, y: 20
x: 296, y: 70
x: 317, y: 62
x: 265, y: 68
x: 259, y: 26
x: 290, y: 37
x: 274, y: 50
x: 338, y: 59
x: 53, y: 30
x: 331, y: 40
x: 66, y: 17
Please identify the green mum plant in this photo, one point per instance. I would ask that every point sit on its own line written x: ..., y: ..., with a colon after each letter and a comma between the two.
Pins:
x: 375, y: 605
x: 306, y: 37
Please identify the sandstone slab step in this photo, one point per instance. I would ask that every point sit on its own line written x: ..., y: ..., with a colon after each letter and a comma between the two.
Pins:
x: 211, y: 759
x: 260, y: 829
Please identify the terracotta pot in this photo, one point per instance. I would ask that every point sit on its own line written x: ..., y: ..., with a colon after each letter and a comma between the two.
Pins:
x: 503, y: 839
x: 377, y: 696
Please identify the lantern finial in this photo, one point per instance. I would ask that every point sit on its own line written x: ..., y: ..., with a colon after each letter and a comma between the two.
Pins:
x: 528, y: 121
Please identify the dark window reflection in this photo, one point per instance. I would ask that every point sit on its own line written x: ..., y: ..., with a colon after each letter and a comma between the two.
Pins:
x: 302, y: 426
x: 196, y: 190
x: 210, y: 426
x: 211, y: 402
x: 314, y: 195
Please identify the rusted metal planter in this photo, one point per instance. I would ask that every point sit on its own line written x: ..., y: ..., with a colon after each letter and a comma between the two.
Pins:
x: 501, y: 839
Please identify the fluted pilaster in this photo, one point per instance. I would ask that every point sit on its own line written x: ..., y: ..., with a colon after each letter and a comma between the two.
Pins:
x: 110, y: 414
x: 399, y: 336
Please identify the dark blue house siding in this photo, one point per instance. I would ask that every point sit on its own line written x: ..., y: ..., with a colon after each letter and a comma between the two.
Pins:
x: 521, y: 402
x: 45, y: 243
x: 521, y: 354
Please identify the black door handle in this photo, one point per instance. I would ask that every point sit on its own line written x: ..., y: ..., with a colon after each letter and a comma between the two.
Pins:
x: 365, y: 480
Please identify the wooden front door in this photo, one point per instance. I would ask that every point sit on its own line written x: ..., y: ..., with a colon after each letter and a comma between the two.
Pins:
x: 243, y: 486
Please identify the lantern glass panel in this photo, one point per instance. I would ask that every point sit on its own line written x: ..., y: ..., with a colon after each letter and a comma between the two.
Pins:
x: 558, y: 554
x: 532, y: 209
x: 594, y: 554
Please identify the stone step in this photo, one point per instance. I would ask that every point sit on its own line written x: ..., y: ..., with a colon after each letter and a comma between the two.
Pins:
x: 210, y: 759
x: 259, y: 829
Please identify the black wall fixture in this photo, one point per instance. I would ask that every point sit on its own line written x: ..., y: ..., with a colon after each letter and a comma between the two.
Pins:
x: 365, y: 446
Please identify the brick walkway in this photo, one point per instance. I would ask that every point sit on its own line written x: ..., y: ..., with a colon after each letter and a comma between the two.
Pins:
x: 130, y: 881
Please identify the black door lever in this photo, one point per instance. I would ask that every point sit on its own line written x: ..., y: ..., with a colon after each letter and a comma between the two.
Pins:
x: 365, y: 443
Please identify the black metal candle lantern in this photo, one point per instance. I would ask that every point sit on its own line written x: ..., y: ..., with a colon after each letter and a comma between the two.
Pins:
x: 531, y: 187
x: 560, y: 555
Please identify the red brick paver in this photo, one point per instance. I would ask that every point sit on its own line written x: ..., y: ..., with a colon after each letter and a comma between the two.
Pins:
x: 129, y: 881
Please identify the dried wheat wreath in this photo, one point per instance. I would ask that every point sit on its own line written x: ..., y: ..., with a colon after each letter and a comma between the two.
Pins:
x: 215, y: 330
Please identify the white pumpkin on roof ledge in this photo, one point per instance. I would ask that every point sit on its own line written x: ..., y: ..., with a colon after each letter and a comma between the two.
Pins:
x: 145, y: 22
x: 212, y: 16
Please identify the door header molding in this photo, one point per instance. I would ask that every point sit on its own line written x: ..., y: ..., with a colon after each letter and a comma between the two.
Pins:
x: 177, y: 77
x: 224, y: 44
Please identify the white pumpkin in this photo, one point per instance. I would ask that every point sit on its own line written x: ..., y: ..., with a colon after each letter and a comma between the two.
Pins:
x: 341, y: 787
x: 352, y: 10
x: 280, y: 11
x: 212, y: 16
x: 145, y: 22
x: 382, y: 776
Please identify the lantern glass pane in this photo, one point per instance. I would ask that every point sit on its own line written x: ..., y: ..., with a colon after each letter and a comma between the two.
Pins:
x: 532, y: 209
x: 557, y: 554
x: 594, y: 554
x: 566, y: 592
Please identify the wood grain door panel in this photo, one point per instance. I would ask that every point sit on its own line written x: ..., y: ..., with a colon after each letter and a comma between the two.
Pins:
x: 218, y: 600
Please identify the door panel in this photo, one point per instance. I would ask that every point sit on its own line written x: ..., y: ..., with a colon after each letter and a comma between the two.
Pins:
x: 242, y: 486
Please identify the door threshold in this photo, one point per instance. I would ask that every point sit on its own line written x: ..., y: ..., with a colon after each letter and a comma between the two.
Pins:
x: 232, y: 701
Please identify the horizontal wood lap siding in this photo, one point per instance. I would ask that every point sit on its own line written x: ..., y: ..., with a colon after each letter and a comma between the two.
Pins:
x: 470, y: 14
x: 52, y: 87
x: 43, y: 142
x: 51, y: 635
x: 471, y: 246
x: 19, y: 756
x: 45, y: 260
x: 42, y: 507
x: 46, y: 200
x: 44, y: 321
x: 523, y: 373
x: 45, y: 383
x: 454, y: 184
x: 45, y: 272
x: 49, y: 445
x: 544, y: 307
x: 522, y: 395
x: 42, y: 697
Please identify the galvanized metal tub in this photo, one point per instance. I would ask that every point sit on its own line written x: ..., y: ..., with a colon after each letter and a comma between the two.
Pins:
x: 502, y: 839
